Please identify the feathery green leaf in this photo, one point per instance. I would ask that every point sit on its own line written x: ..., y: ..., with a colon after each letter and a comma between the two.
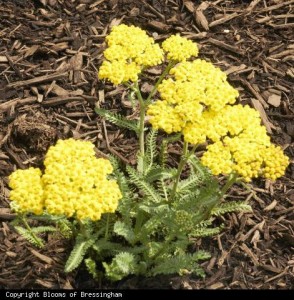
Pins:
x: 157, y: 173
x: 35, y: 240
x: 122, y: 264
x: 181, y: 264
x: 124, y: 230
x: 42, y: 229
x: 77, y: 254
x: 150, y: 150
x: 117, y: 119
x: 145, y: 187
x: 230, y: 206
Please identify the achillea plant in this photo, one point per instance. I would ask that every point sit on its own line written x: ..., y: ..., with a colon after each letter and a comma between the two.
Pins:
x: 143, y: 220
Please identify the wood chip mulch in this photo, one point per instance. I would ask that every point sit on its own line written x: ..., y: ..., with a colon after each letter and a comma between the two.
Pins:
x: 50, y: 51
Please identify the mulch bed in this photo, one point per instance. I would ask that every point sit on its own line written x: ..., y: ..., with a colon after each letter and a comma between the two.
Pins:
x: 49, y: 55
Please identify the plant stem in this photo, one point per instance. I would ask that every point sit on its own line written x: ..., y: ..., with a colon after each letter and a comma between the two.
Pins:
x: 231, y: 180
x: 181, y: 165
x: 158, y: 82
x: 28, y: 227
x: 185, y: 156
x: 107, y: 227
x: 141, y: 127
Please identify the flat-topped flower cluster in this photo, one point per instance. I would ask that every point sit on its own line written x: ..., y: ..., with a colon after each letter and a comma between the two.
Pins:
x: 74, y: 183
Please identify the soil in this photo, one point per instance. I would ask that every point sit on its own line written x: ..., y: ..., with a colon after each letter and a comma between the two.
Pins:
x: 50, y: 51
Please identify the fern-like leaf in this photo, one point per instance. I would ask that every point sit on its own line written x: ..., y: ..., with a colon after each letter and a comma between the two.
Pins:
x: 181, y: 264
x: 117, y: 119
x: 158, y: 173
x: 104, y: 247
x: 163, y: 153
x: 33, y: 239
x: 198, y: 169
x: 231, y: 206
x: 77, y: 254
x: 65, y: 227
x: 42, y: 229
x: 91, y: 267
x: 144, y: 186
x: 124, y: 230
x: 186, y: 185
x: 155, y: 210
x: 204, y: 232
x: 150, y: 150
x: 123, y: 264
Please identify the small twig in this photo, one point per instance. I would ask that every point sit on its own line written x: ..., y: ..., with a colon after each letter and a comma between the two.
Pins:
x: 36, y: 80
x: 7, y: 105
x: 155, y: 11
x: 225, y: 46
x: 223, y: 20
x: 108, y: 145
x: 13, y: 66
x: 278, y: 276
x: 277, y: 6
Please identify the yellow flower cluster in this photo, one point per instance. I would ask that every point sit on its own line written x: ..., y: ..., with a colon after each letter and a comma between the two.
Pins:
x: 248, y: 158
x: 197, y: 101
x: 129, y: 50
x: 75, y: 183
x: 194, y: 96
x: 242, y: 145
x: 179, y: 48
x: 27, y: 191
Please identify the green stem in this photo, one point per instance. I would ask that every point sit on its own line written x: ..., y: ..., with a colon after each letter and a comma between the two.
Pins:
x: 28, y: 227
x: 231, y: 180
x: 164, y: 73
x: 141, y: 126
x: 180, y: 169
x: 107, y: 227
x: 185, y: 157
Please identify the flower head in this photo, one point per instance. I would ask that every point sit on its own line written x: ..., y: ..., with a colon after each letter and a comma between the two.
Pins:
x: 196, y: 94
x: 27, y: 191
x: 246, y: 155
x: 75, y: 183
x: 179, y: 48
x: 119, y: 71
x: 129, y: 50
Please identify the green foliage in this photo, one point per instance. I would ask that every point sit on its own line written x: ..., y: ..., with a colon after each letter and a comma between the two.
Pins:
x: 79, y: 251
x: 43, y: 229
x: 125, y: 231
x: 91, y: 267
x: 65, y: 227
x: 122, y: 264
x: 117, y: 119
x: 181, y: 263
x: 30, y: 236
x: 150, y: 151
x: 144, y: 186
x: 230, y: 206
